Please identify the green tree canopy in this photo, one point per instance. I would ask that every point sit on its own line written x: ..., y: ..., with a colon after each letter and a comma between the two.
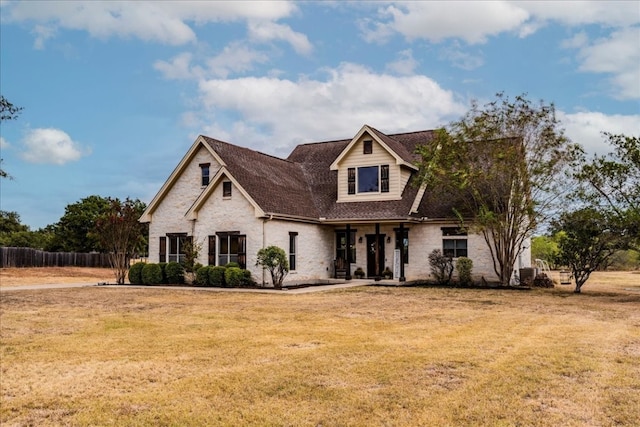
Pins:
x: 8, y: 111
x: 612, y: 183
x: 587, y: 241
x: 274, y: 259
x: 119, y: 233
x: 510, y: 160
x: 73, y: 231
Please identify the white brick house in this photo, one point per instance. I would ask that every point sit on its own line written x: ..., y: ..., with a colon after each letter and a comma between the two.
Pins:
x: 332, y: 206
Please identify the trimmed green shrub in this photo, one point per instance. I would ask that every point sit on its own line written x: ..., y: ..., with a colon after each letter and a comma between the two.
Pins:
x: 135, y: 273
x: 464, y: 266
x: 202, y: 276
x: 216, y: 276
x: 247, y: 280
x: 163, y: 266
x: 232, y: 264
x: 151, y: 274
x: 175, y: 273
x: 234, y: 276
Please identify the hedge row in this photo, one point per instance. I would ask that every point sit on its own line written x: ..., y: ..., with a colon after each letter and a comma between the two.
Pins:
x: 163, y: 273
x: 230, y: 276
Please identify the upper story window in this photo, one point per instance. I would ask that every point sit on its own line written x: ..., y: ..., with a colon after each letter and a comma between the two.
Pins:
x: 204, y: 169
x: 368, y: 179
x: 367, y: 147
x: 226, y: 189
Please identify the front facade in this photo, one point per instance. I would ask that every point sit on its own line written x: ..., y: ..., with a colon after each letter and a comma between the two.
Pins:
x: 332, y: 206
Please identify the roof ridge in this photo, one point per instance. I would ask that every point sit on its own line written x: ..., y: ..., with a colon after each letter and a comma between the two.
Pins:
x: 246, y: 149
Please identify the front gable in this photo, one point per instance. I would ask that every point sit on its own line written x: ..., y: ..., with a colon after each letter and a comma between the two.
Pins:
x: 185, y: 180
x: 369, y: 169
x: 215, y: 189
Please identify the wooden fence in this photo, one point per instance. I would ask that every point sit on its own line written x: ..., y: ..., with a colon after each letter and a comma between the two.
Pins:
x: 29, y: 257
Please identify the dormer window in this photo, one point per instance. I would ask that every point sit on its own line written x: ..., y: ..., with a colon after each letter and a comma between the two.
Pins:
x: 204, y: 171
x: 368, y: 179
x: 367, y: 147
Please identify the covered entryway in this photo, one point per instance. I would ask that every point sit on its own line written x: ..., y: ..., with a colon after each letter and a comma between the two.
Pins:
x: 375, y: 246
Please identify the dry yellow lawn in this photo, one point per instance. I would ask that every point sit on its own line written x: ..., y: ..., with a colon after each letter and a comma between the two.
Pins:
x: 359, y: 356
x: 10, y: 277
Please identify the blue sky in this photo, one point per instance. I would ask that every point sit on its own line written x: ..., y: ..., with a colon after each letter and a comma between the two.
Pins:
x: 114, y: 93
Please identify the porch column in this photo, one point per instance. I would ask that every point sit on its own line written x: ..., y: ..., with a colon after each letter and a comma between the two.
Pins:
x: 402, y: 278
x: 348, y: 272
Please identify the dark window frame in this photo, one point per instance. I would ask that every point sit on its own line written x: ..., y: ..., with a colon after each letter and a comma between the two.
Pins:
x: 341, y: 244
x: 205, y: 173
x: 226, y: 189
x: 235, y: 248
x: 367, y: 146
x: 293, y: 250
x: 351, y: 180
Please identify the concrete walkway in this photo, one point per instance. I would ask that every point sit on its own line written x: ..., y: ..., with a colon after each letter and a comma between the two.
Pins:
x: 284, y: 291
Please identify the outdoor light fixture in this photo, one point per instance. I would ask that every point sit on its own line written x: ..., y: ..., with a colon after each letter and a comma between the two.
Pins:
x: 360, y: 239
x: 388, y: 239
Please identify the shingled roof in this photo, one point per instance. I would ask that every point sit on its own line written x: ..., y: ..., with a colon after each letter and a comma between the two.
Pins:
x: 304, y: 186
x: 277, y: 185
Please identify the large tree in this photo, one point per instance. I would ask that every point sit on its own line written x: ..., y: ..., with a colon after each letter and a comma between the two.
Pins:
x: 510, y: 159
x: 73, y: 233
x: 612, y: 183
x: 118, y: 231
x: 8, y: 111
x: 587, y: 240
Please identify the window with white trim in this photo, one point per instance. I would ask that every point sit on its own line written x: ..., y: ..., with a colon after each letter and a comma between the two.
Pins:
x: 368, y: 179
x: 454, y: 242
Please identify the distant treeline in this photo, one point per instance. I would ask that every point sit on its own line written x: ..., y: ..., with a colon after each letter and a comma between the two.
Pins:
x: 29, y: 257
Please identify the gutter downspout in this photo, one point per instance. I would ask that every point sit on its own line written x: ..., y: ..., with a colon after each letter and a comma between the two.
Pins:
x: 264, y: 241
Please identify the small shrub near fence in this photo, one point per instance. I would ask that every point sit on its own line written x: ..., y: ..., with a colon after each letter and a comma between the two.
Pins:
x: 29, y: 257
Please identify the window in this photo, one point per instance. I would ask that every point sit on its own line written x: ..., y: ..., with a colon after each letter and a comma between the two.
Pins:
x: 367, y: 147
x: 454, y: 248
x: 226, y: 189
x: 232, y: 247
x: 351, y: 180
x: 368, y: 179
x: 341, y: 245
x: 177, y: 242
x: 293, y: 249
x: 204, y: 168
x: 371, y: 179
x: 402, y: 242
x: 456, y: 245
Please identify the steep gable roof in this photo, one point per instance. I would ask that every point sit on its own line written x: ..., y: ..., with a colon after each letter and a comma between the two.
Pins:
x: 277, y: 185
x: 393, y: 147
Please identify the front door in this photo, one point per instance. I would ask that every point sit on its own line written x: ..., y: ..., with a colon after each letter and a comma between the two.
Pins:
x: 375, y: 265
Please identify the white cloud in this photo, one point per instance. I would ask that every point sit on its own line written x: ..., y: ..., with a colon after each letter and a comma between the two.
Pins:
x: 4, y: 144
x: 266, y: 31
x: 164, y: 22
x: 405, y: 65
x: 235, y: 58
x: 178, y: 68
x: 586, y: 128
x: 436, y: 21
x: 290, y: 112
x: 51, y: 146
x: 475, y: 21
x: 618, y: 55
